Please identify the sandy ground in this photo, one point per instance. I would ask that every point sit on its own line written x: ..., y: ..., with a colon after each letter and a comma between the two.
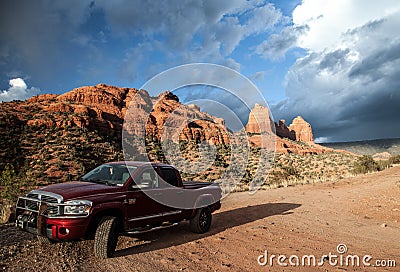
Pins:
x: 363, y: 213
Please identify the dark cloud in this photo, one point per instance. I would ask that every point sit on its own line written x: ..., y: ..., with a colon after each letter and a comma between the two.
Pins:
x: 217, y: 102
x: 350, y: 93
x: 383, y: 57
x: 334, y: 59
x: 35, y: 36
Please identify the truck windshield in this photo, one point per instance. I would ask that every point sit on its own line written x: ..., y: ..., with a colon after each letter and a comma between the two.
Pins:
x: 109, y: 174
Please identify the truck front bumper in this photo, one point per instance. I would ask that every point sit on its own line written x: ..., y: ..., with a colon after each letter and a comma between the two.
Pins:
x: 53, y: 228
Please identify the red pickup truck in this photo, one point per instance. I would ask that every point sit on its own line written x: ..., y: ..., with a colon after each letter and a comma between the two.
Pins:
x: 114, y: 198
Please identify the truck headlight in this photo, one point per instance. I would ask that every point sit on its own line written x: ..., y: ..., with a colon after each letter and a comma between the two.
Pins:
x: 77, y: 207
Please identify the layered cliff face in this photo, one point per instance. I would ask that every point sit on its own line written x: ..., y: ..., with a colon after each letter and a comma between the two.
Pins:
x: 175, y: 121
x: 99, y: 107
x: 103, y: 108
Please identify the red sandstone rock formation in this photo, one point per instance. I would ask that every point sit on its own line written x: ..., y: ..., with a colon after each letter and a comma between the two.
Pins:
x: 299, y: 130
x: 176, y: 121
x: 104, y: 108
x: 259, y: 120
x: 302, y: 129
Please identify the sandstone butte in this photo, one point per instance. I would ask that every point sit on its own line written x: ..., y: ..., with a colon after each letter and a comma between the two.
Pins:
x: 103, y: 108
x: 297, y: 138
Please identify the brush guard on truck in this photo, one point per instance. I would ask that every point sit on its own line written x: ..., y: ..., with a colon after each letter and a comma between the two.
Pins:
x: 34, y: 212
x: 34, y: 204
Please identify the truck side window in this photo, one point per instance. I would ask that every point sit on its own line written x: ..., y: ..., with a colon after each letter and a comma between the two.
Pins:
x: 169, y: 175
x: 147, y: 179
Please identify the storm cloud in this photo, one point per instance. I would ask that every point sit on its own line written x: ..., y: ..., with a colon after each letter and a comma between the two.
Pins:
x: 353, y: 92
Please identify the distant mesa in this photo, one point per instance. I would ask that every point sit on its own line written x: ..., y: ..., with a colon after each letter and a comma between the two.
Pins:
x: 382, y: 156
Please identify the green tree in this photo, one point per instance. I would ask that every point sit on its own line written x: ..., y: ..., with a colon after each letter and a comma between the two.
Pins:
x: 8, y: 181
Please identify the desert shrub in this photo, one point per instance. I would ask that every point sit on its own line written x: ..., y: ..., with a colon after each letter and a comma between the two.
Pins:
x: 384, y: 164
x: 365, y: 164
x: 291, y: 171
x: 8, y: 182
x: 394, y: 159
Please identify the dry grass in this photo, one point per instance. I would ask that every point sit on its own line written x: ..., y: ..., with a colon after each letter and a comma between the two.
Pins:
x: 280, y: 170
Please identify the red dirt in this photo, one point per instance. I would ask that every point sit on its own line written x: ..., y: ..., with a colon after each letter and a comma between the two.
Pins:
x: 361, y: 212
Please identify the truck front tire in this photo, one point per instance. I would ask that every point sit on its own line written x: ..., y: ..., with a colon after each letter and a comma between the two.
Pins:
x: 106, y: 237
x: 201, y: 222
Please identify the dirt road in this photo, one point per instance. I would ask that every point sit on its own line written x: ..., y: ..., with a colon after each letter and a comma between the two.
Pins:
x: 362, y: 213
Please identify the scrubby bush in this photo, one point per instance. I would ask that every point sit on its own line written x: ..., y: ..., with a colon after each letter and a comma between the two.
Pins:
x: 394, y: 159
x: 10, y: 189
x: 366, y: 164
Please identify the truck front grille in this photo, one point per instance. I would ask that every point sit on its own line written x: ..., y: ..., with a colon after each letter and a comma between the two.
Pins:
x: 32, y: 205
x: 48, y: 199
x: 31, y: 195
x: 34, y: 200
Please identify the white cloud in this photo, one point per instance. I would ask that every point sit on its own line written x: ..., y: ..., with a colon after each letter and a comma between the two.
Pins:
x: 260, y: 75
x: 263, y: 18
x: 321, y: 140
x: 329, y: 20
x: 18, y: 91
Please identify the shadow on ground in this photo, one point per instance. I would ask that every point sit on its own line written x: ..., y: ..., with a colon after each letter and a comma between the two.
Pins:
x: 221, y: 221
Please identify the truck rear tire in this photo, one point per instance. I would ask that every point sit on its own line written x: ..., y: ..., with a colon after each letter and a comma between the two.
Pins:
x: 201, y: 222
x: 106, y: 237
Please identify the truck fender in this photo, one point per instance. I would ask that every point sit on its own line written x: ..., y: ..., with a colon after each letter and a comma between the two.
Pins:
x: 105, y: 209
x: 204, y: 201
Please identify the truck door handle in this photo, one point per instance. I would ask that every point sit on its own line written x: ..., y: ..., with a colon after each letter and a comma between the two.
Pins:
x: 179, y: 192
